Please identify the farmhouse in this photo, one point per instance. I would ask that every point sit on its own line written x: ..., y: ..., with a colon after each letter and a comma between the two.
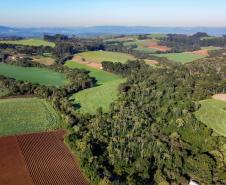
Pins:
x: 192, y: 182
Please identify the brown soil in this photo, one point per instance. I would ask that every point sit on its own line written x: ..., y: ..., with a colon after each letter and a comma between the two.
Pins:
x: 48, y: 61
x: 151, y: 62
x: 201, y: 52
x: 221, y: 97
x: 88, y: 63
x: 38, y: 159
x: 156, y: 46
x: 13, y: 170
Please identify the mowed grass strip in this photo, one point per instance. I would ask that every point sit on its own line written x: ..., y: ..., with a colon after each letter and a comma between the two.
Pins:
x: 100, y: 96
x: 181, y: 57
x: 213, y: 114
x: 27, y: 115
x: 34, y: 75
x: 29, y: 42
x: 100, y: 56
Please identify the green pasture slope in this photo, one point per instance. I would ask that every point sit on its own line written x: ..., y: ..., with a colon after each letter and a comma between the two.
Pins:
x: 100, y: 56
x: 181, y: 57
x: 34, y: 75
x: 100, y: 96
x: 27, y: 115
x: 213, y: 114
x: 30, y: 42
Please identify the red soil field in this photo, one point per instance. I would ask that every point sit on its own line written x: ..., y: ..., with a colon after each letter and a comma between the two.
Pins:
x: 47, y: 159
x: 13, y: 170
x: 78, y: 59
x: 201, y: 52
x: 156, y: 46
x: 221, y: 97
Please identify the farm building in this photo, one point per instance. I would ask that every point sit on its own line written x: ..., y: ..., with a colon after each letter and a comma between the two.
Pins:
x: 192, y: 182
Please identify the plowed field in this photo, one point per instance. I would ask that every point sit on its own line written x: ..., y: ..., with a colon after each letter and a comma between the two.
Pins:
x: 13, y: 170
x: 38, y: 159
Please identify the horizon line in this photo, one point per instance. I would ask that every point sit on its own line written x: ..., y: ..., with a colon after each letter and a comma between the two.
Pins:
x: 90, y: 26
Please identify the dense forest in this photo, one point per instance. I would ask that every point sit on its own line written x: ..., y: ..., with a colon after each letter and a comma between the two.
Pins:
x: 151, y: 135
x: 181, y: 43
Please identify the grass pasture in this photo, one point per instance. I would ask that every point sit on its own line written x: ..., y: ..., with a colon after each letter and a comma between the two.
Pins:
x: 26, y: 115
x: 181, y: 57
x: 100, y: 96
x: 157, y: 36
x: 210, y: 48
x: 101, y: 76
x: 208, y: 38
x: 34, y: 75
x: 100, y: 56
x: 30, y: 42
x: 213, y: 114
x: 142, y: 45
x: 147, y: 45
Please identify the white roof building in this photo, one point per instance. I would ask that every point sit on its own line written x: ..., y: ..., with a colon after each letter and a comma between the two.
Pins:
x: 193, y: 183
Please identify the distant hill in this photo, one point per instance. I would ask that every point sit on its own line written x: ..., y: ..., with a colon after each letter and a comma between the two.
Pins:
x: 6, y: 29
x: 105, y: 30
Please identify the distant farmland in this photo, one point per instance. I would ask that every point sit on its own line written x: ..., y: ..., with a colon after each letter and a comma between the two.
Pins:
x: 26, y: 115
x: 30, y: 42
x: 100, y: 56
x: 34, y: 75
x: 181, y: 57
x: 213, y: 114
x: 147, y: 46
x: 100, y: 96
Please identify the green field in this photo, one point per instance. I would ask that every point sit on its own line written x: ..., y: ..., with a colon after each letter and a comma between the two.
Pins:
x: 100, y: 96
x: 208, y: 38
x: 34, y: 75
x: 142, y: 45
x: 181, y: 57
x: 101, y: 76
x: 27, y: 115
x: 209, y: 48
x: 100, y: 56
x: 213, y: 114
x: 30, y: 42
x: 158, y: 36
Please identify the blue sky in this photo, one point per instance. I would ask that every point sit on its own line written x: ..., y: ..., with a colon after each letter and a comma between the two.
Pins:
x: 60, y: 13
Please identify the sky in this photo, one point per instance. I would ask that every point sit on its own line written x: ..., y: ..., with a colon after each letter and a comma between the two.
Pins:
x: 73, y: 13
